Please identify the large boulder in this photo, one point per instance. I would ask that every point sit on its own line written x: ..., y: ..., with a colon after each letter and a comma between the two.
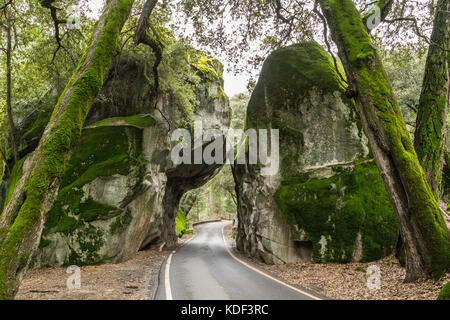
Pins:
x: 327, y: 202
x: 121, y: 190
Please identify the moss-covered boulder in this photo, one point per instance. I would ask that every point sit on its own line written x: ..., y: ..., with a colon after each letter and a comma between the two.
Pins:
x: 327, y: 202
x: 86, y: 223
x: 120, y: 191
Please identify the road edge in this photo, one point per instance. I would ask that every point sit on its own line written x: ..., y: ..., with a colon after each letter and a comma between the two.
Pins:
x: 249, y: 264
x: 162, y: 267
x: 157, y: 280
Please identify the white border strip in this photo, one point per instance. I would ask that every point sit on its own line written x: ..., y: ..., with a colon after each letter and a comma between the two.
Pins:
x: 167, y: 278
x: 263, y: 273
x: 167, y: 271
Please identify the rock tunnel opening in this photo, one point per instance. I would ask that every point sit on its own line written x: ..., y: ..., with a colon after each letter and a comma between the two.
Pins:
x: 196, y: 193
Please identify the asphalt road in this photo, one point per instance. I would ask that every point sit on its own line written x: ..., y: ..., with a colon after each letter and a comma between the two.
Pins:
x: 204, y: 269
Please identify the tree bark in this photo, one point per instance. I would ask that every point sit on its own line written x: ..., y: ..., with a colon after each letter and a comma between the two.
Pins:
x: 157, y: 47
x: 429, y: 140
x: 23, y: 218
x: 431, y: 122
x: 421, y: 224
x: 212, y: 204
x: 144, y: 23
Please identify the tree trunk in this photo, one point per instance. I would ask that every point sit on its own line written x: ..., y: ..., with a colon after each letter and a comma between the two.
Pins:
x: 429, y: 140
x: 12, y: 127
x: 431, y: 122
x: 421, y: 224
x: 23, y: 218
x: 212, y: 211
x: 157, y: 47
x: 144, y: 23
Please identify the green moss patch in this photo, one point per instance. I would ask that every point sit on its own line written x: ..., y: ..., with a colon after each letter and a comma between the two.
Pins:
x: 38, y: 126
x: 445, y: 292
x: 208, y: 67
x: 138, y: 121
x: 86, y: 83
x: 16, y: 174
x: 299, y: 68
x: 121, y: 223
x: 101, y: 152
x: 331, y: 212
x: 180, y: 223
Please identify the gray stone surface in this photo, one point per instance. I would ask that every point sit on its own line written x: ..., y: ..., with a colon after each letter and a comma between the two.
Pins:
x: 299, y: 93
x: 142, y: 194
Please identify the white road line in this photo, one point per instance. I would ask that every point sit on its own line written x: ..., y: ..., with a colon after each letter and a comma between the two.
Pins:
x: 167, y: 272
x: 167, y: 278
x: 263, y: 273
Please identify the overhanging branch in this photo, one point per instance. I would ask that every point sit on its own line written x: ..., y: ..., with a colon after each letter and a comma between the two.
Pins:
x: 56, y: 22
x: 325, y: 36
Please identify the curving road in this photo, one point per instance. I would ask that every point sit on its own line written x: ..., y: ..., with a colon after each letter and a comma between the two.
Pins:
x: 205, y: 268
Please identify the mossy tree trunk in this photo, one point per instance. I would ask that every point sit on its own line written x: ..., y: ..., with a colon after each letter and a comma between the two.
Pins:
x: 429, y: 140
x: 431, y: 123
x: 422, y: 227
x: 23, y: 218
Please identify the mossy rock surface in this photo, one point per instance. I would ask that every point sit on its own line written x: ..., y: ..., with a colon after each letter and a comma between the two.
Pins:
x: 110, y: 201
x: 104, y: 152
x: 338, y: 212
x: 114, y: 179
x: 16, y: 174
x: 300, y: 93
x: 445, y: 292
x: 328, y: 191
x: 139, y: 121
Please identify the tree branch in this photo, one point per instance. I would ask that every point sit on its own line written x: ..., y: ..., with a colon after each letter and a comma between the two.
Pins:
x: 325, y: 36
x: 6, y: 4
x: 56, y: 22
x: 144, y: 21
x: 417, y: 31
x: 156, y: 46
x: 385, y: 7
x: 276, y: 4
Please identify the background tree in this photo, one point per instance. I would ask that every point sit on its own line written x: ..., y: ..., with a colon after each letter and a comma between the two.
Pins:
x: 430, y: 134
x: 8, y: 25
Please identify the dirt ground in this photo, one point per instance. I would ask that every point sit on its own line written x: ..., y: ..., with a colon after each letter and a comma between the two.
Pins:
x: 349, y: 281
x: 134, y: 279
